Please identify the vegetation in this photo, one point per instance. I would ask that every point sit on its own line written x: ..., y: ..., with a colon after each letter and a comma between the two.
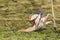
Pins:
x: 14, y: 16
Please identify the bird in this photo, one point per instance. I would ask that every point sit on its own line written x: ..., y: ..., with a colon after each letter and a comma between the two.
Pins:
x: 39, y: 21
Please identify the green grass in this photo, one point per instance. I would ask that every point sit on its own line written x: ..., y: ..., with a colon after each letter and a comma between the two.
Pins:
x: 8, y: 31
x: 14, y: 16
x: 14, y: 35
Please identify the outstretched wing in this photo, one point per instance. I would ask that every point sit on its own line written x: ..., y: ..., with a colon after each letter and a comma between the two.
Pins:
x: 33, y: 16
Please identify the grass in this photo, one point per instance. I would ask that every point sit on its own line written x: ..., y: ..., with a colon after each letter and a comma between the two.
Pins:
x: 8, y: 31
x: 14, y: 16
x: 13, y: 35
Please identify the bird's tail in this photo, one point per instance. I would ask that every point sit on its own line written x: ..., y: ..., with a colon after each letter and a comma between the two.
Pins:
x: 26, y: 30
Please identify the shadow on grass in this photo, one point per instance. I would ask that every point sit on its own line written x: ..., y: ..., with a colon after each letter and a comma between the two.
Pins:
x: 41, y: 29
